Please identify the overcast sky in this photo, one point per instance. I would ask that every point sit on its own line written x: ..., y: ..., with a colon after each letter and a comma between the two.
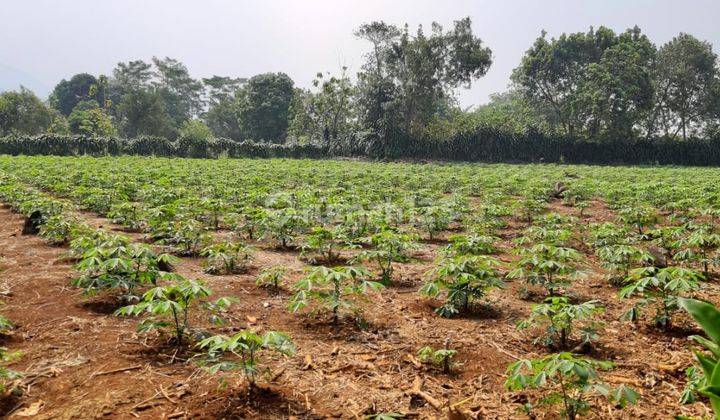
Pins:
x: 43, y: 41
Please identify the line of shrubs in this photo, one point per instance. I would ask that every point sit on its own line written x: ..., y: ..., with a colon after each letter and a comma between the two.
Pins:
x: 64, y: 145
x: 482, y: 145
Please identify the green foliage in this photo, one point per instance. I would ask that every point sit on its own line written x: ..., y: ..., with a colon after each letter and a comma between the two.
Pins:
x: 89, y: 119
x: 282, y: 226
x: 322, y: 243
x: 559, y: 317
x: 471, y: 245
x: 9, y: 379
x: 23, y: 113
x: 334, y: 289
x: 660, y: 287
x: 441, y: 357
x: 708, y: 317
x: 699, y: 246
x: 227, y: 258
x: 58, y: 229
x: 388, y: 247
x: 169, y: 307
x: 264, y: 107
x: 548, y: 265
x: 115, y: 264
x: 195, y: 130
x: 620, y: 259
x: 462, y: 280
x: 570, y: 382
x: 242, y: 352
x: 68, y: 93
x: 272, y: 277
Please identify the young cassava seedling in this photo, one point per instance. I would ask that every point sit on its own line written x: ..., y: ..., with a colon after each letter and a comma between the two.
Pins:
x: 334, y: 289
x: 569, y: 381
x: 462, y: 280
x: 559, y: 317
x: 241, y: 352
x: 170, y: 305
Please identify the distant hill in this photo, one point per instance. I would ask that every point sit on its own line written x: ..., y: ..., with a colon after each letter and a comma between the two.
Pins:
x: 12, y: 78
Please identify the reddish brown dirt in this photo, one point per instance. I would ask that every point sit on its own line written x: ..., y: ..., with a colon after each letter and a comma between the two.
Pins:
x: 74, y: 348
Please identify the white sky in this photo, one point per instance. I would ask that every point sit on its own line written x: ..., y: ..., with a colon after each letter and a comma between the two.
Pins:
x: 50, y: 39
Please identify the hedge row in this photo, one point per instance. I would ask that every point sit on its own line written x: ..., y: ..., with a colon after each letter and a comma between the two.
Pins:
x: 62, y: 145
x: 489, y: 145
x: 481, y: 145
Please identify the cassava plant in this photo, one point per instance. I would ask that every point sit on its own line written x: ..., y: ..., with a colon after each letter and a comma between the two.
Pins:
x: 334, y: 289
x: 560, y: 319
x: 227, y: 258
x: 169, y: 307
x: 442, y: 357
x: 272, y: 277
x: 568, y: 381
x: 550, y: 266
x: 660, y: 287
x: 242, y: 352
x: 462, y: 281
x: 387, y: 247
x: 708, y: 318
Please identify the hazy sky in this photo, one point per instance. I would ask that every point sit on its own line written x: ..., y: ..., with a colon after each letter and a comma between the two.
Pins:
x: 49, y: 39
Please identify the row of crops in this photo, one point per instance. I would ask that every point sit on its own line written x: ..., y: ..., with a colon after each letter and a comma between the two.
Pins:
x: 352, y: 224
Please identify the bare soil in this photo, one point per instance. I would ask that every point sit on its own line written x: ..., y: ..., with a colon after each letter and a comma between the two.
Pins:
x: 83, y: 362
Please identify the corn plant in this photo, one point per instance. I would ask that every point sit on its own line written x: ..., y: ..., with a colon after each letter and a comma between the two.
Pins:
x: 708, y: 318
x: 547, y: 265
x: 559, y: 318
x: 660, y: 287
x: 242, y: 352
x: 569, y: 381
x: 334, y: 289
x: 227, y: 258
x: 169, y: 307
x: 462, y: 281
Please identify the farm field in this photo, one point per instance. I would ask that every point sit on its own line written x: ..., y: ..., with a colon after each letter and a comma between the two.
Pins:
x: 240, y: 288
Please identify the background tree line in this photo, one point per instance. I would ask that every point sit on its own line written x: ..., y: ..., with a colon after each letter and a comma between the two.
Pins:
x: 596, y: 86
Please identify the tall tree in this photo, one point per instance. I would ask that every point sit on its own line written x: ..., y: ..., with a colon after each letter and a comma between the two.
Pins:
x: 90, y: 119
x: 222, y: 115
x: 552, y: 73
x: 23, y: 113
x: 181, y: 93
x: 264, y: 107
x: 327, y: 114
x: 142, y: 112
x: 617, y: 94
x: 69, y: 93
x: 408, y: 79
x: 685, y: 75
